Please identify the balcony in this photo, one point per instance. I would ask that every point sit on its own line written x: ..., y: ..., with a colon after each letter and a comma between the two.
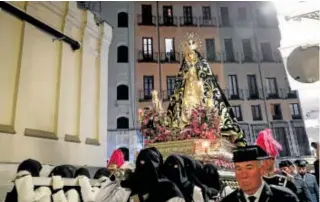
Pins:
x: 292, y: 95
x: 277, y: 117
x: 145, y: 96
x: 168, y: 21
x: 188, y: 22
x: 207, y: 22
x: 274, y: 93
x: 170, y: 57
x: 257, y: 118
x: 146, y: 20
x: 247, y: 58
x: 225, y: 22
x: 275, y: 57
x: 296, y: 116
x: 234, y: 94
x: 212, y: 57
x: 239, y: 118
x: 144, y: 57
x: 230, y: 57
x: 254, y: 94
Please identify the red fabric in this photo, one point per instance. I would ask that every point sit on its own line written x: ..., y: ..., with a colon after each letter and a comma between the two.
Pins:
x: 266, y: 141
x: 117, y: 158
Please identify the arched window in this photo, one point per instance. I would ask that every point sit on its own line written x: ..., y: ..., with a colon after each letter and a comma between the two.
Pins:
x: 125, y: 152
x: 122, y: 123
x: 122, y: 54
x: 122, y: 92
x: 122, y: 19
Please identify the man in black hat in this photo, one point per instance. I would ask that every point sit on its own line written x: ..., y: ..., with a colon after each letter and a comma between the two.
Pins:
x: 248, y: 171
x: 269, y: 176
x: 309, y: 179
x: 301, y: 189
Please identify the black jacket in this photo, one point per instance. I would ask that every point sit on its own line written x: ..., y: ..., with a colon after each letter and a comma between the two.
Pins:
x: 270, y: 193
x: 296, y: 185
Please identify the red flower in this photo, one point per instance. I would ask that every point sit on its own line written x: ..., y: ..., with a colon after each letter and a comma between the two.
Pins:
x: 203, y: 126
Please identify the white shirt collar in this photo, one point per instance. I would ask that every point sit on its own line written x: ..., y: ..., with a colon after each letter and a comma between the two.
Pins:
x: 257, y: 194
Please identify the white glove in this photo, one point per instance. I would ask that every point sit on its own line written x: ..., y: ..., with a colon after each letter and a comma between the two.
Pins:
x: 57, y: 182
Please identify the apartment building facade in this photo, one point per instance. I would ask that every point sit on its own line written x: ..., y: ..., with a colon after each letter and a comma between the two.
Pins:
x: 122, y: 128
x: 240, y: 41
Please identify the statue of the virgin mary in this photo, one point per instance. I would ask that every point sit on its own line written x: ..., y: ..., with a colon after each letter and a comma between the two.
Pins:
x: 196, y: 85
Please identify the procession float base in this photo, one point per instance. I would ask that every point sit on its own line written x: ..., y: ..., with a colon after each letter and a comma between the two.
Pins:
x: 218, y: 152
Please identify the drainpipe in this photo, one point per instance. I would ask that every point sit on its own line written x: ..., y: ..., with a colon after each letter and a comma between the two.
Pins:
x: 259, y: 62
x: 158, y: 37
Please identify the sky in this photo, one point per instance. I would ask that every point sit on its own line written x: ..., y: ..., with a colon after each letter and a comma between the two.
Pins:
x: 300, y: 32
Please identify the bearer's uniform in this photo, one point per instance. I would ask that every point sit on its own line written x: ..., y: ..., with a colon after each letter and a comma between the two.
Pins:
x: 265, y: 192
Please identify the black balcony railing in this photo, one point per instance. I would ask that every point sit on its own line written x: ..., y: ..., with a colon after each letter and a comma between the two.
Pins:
x: 145, y: 95
x: 292, y: 95
x: 275, y: 93
x: 146, y: 20
x: 239, y: 118
x: 231, y: 57
x: 274, y: 57
x: 187, y: 21
x: 207, y: 22
x: 147, y: 57
x: 234, y: 94
x: 224, y: 22
x: 252, y: 94
x: 248, y: 58
x: 168, y: 21
x: 170, y: 57
x: 257, y: 118
x: 297, y: 116
x: 212, y: 57
x: 277, y: 117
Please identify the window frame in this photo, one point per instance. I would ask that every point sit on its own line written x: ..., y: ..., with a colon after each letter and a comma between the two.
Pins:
x: 171, y: 81
x: 125, y: 119
x: 234, y: 87
x: 242, y: 16
x: 254, y: 109
x: 122, y: 57
x: 125, y: 23
x: 237, y: 112
x: 206, y: 13
x: 148, y: 95
x: 187, y: 15
x: 123, y: 97
x: 147, y: 48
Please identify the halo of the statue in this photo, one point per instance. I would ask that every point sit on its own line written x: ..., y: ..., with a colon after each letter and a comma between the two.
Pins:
x: 303, y: 64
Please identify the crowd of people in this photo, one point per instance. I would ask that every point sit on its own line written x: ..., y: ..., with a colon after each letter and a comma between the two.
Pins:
x: 178, y: 178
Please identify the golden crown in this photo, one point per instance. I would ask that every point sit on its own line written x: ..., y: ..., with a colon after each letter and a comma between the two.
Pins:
x: 191, y: 42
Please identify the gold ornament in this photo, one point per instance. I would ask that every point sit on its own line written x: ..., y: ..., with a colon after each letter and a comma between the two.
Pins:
x: 155, y: 101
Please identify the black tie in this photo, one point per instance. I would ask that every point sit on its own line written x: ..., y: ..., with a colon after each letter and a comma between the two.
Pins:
x: 252, y: 198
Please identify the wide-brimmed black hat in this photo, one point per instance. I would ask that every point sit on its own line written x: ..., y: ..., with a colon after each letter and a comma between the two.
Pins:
x: 285, y: 163
x: 249, y: 153
x: 301, y: 163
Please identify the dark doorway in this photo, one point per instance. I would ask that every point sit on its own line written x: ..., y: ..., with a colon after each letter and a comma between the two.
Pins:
x: 146, y: 14
x: 122, y: 123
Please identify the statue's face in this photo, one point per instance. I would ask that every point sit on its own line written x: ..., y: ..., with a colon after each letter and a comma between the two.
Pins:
x: 192, y: 44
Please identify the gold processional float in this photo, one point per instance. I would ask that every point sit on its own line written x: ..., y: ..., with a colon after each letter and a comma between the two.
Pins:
x: 199, y: 121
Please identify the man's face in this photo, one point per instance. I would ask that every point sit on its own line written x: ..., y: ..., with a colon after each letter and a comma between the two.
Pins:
x: 286, y: 169
x: 248, y: 174
x: 302, y: 170
x: 268, y: 166
x: 292, y: 170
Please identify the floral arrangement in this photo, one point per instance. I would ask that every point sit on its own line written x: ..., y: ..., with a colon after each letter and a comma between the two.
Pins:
x: 204, y: 124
